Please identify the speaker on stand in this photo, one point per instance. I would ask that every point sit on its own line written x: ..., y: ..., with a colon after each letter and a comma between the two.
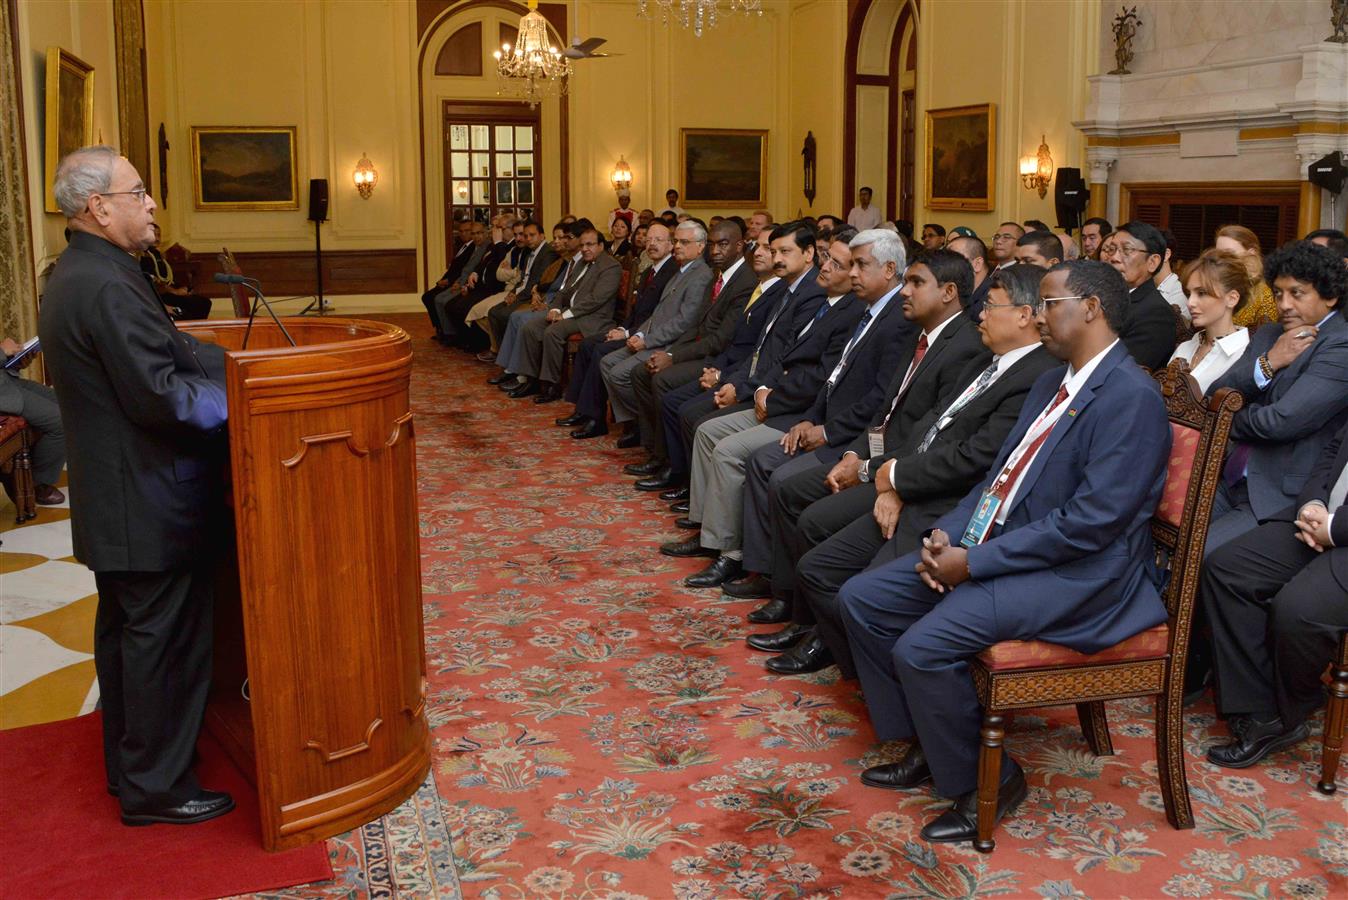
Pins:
x: 318, y: 214
x: 1331, y: 174
x: 1070, y: 197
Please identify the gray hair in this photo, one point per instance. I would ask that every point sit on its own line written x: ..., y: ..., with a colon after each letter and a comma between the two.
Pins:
x: 886, y: 246
x: 699, y: 233
x: 82, y: 172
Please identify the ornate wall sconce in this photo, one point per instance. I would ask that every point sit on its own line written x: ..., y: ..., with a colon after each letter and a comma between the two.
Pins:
x: 1036, y: 172
x: 365, y: 177
x: 621, y: 177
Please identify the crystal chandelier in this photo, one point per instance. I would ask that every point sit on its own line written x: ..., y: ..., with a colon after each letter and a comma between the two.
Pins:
x: 696, y: 13
x: 535, y: 66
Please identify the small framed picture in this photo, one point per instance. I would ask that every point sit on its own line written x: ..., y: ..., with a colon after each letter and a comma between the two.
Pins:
x: 244, y: 167
x: 70, y: 111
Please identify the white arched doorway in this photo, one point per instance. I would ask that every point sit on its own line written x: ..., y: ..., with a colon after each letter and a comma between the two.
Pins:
x: 879, y: 123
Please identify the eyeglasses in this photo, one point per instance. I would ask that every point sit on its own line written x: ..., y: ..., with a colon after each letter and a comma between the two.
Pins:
x: 1005, y: 236
x: 1125, y: 249
x: 139, y: 193
x: 987, y: 305
x: 830, y: 263
x: 1046, y: 302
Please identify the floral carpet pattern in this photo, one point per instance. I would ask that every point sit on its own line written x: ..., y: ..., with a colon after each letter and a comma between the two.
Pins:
x: 602, y: 732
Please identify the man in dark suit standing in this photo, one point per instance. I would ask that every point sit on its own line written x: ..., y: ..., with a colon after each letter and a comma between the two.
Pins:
x: 145, y: 409
x: 1149, y: 333
x: 1275, y: 598
x: 1055, y: 544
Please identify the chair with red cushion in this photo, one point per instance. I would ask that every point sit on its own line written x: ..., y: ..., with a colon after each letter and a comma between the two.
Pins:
x: 1024, y: 674
x: 16, y: 466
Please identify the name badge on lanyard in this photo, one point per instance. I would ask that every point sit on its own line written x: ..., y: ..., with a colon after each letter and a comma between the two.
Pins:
x: 875, y: 436
x: 984, y: 517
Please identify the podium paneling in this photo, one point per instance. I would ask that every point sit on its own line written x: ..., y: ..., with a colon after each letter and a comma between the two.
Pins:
x: 327, y: 628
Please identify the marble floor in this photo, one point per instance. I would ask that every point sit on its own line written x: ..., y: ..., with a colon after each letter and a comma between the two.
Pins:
x: 47, y: 603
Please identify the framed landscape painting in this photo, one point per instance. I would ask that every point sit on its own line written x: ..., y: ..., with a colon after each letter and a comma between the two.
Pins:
x: 961, y: 157
x: 724, y: 167
x: 69, y: 110
x: 244, y: 167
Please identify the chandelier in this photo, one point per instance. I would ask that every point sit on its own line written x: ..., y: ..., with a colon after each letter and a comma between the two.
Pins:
x: 696, y: 13
x: 535, y: 66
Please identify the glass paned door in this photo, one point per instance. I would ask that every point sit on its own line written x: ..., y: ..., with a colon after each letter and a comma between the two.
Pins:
x: 489, y: 162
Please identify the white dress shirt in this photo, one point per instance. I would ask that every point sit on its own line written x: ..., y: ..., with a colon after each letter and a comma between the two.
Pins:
x: 861, y: 219
x: 1225, y: 351
x: 655, y: 270
x: 1173, y: 292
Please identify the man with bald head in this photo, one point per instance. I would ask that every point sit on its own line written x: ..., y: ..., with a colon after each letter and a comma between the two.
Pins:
x: 144, y: 407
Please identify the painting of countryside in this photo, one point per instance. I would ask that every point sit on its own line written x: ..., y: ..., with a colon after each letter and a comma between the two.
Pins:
x: 245, y: 168
x: 724, y: 167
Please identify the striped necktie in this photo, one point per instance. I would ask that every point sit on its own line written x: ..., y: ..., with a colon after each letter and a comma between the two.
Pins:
x: 981, y: 385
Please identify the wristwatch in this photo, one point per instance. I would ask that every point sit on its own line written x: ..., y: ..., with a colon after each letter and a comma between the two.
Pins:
x: 864, y: 473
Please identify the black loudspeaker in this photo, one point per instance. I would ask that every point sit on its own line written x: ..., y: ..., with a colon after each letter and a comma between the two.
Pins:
x: 1070, y: 197
x: 318, y: 199
x: 1328, y: 172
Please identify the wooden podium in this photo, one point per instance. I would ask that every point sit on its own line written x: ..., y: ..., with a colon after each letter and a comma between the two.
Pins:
x: 319, y: 691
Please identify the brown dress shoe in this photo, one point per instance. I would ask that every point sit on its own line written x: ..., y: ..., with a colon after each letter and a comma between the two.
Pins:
x: 48, y: 495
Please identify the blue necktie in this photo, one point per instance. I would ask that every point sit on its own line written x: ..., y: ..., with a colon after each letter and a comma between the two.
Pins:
x: 847, y: 351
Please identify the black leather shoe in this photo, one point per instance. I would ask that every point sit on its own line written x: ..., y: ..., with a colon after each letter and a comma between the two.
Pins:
x: 649, y: 467
x: 778, y: 641
x: 960, y: 821
x: 909, y: 772
x: 510, y: 385
x: 691, y: 547
x: 756, y: 587
x: 810, y: 655
x: 722, y: 569
x: 774, y: 612
x: 206, y: 805
x: 660, y: 480
x: 548, y: 393
x: 683, y: 507
x: 571, y: 421
x: 685, y: 522
x: 1254, y: 739
x: 528, y: 389
x: 675, y: 495
x: 628, y: 441
x: 591, y: 429
x: 502, y: 378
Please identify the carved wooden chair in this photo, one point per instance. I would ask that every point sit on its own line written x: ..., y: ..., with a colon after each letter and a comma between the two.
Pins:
x: 237, y: 295
x: 1015, y: 675
x: 16, y: 466
x: 1184, y: 329
x: 1336, y: 718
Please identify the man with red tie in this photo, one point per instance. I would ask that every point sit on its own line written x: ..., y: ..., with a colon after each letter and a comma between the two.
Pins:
x: 1054, y: 545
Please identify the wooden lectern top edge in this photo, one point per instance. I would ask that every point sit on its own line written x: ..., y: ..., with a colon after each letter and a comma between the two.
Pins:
x: 312, y: 335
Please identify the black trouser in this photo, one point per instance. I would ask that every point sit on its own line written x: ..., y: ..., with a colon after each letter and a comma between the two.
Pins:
x: 586, y: 388
x: 650, y: 391
x: 428, y: 301
x: 152, y: 652
x: 1277, y: 612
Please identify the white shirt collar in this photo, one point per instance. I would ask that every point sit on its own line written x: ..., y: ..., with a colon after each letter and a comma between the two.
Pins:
x: 731, y: 269
x: 936, y: 332
x: 577, y: 257
x: 1075, y: 380
x: 1011, y: 357
x: 684, y: 267
x: 657, y: 266
x: 832, y: 301
x: 764, y: 285
x: 879, y: 305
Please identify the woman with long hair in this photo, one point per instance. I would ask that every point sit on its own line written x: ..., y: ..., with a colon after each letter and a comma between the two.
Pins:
x: 1244, y: 243
x: 1218, y: 288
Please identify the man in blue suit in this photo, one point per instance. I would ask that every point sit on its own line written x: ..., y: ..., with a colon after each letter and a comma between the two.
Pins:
x: 1054, y: 545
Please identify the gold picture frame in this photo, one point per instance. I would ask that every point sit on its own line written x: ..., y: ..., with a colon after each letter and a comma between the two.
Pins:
x: 69, y: 110
x: 245, y: 167
x: 725, y: 167
x: 962, y: 157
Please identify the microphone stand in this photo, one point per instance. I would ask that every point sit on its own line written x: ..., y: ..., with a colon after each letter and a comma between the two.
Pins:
x: 252, y: 285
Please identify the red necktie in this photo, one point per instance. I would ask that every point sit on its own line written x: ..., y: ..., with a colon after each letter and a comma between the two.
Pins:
x: 716, y: 288
x: 919, y: 352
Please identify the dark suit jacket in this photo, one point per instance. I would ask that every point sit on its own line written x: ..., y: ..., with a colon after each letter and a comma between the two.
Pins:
x: 144, y: 409
x: 648, y: 297
x: 938, y: 374
x: 1318, y: 485
x: 860, y: 389
x: 796, y: 311
x: 748, y: 324
x: 1074, y: 563
x: 1149, y: 332
x: 806, y: 364
x: 679, y: 306
x: 456, y: 264
x: 716, y: 322
x: 545, y: 257
x: 980, y: 293
x: 1289, y: 423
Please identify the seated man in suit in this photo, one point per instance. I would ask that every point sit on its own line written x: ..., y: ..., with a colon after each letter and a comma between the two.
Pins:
x: 976, y: 252
x: 677, y: 311
x: 518, y: 276
x: 586, y: 387
x: 179, y: 301
x: 37, y: 404
x: 444, y: 311
x: 1039, y: 248
x: 1275, y: 598
x: 931, y: 463
x: 510, y: 318
x: 1055, y: 545
x: 725, y: 331
x: 724, y: 442
x: 1136, y: 251
x: 584, y: 308
x: 488, y: 279
x: 464, y: 230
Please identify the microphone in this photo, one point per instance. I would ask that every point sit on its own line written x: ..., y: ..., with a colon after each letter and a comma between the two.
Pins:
x: 252, y: 285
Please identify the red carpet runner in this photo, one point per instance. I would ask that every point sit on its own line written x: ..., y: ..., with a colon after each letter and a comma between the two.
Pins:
x: 64, y: 837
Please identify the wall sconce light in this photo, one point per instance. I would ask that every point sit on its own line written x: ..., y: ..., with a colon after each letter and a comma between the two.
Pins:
x: 622, y: 177
x: 1036, y: 172
x: 365, y: 177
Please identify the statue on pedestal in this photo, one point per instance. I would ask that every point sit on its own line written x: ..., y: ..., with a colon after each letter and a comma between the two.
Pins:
x: 1125, y: 29
x: 1338, y: 17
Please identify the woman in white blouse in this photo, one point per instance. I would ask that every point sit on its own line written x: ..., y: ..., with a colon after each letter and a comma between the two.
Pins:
x: 1218, y: 285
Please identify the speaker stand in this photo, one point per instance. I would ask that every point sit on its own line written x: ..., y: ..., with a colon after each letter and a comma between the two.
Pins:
x: 319, y: 304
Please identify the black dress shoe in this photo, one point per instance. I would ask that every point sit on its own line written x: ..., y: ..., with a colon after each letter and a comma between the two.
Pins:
x: 528, y: 389
x: 691, y: 547
x: 502, y: 378
x: 685, y: 522
x: 660, y: 480
x: 778, y: 641
x: 960, y: 822
x: 649, y: 467
x: 774, y: 612
x: 571, y: 421
x: 628, y: 441
x: 591, y: 429
x: 206, y: 805
x: 722, y: 569
x: 675, y: 495
x: 548, y: 393
x: 1255, y: 738
x: 683, y: 507
x: 810, y: 655
x: 909, y: 772
x: 755, y: 587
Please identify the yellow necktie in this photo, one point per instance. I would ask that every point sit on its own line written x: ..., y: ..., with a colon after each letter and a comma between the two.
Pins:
x: 758, y: 292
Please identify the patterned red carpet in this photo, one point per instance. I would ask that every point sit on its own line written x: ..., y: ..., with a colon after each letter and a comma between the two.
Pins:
x: 602, y: 731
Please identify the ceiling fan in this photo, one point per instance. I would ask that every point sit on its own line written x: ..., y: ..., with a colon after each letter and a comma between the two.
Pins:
x: 586, y: 49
